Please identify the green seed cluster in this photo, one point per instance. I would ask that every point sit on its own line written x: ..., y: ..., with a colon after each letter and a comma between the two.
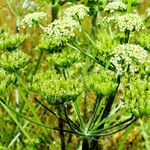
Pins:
x: 103, y: 83
x: 57, y: 34
x: 129, y: 55
x: 5, y: 79
x: 115, y: 6
x: 55, y: 89
x: 77, y: 10
x: 13, y: 61
x: 137, y: 94
x: 64, y: 60
x: 129, y: 22
x: 11, y: 42
x: 32, y: 18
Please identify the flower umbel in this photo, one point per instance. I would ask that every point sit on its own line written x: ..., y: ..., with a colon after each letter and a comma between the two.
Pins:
x: 55, y: 89
x: 13, y: 61
x: 130, y: 22
x: 32, y: 18
x: 129, y: 55
x: 77, y: 10
x: 58, y: 33
x: 115, y: 6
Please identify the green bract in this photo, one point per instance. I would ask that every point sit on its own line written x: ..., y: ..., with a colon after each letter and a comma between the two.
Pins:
x: 55, y: 89
x: 11, y: 42
x: 129, y: 22
x: 13, y: 61
x: 57, y: 34
x: 63, y: 60
x: 101, y: 83
x: 32, y: 18
x: 130, y: 56
x: 115, y: 6
x: 77, y: 10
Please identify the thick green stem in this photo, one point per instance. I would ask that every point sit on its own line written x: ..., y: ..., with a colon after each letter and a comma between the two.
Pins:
x: 129, y: 6
x: 55, y: 9
x: 127, y: 36
x: 38, y: 63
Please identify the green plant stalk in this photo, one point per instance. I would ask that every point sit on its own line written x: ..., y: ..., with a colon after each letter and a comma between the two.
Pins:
x: 111, y: 127
x: 34, y: 122
x: 31, y: 109
x: 17, y: 135
x: 95, y: 108
x: 129, y: 6
x: 38, y: 63
x: 16, y: 121
x: 127, y: 36
x: 77, y: 111
x: 110, y: 101
x: 145, y: 136
x: 54, y: 10
x: 61, y: 133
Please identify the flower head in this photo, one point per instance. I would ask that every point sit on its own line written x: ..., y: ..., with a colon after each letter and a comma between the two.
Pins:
x: 137, y: 94
x: 130, y: 22
x: 115, y: 6
x: 32, y: 18
x: 129, y: 55
x: 13, y: 61
x: 76, y: 10
x: 64, y: 59
x: 55, y: 89
x: 58, y: 33
x: 11, y: 42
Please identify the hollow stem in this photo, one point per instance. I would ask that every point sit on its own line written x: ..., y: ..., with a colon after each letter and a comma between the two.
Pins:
x: 38, y: 63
